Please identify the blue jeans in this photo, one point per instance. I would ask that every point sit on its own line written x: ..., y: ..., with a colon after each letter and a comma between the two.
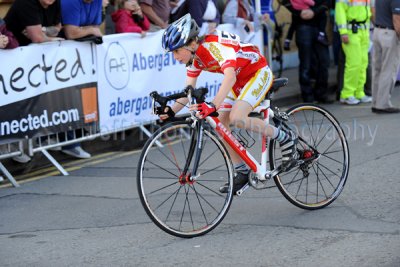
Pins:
x: 309, y: 48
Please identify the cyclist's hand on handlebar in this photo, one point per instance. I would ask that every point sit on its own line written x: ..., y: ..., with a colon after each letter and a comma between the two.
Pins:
x: 169, y: 113
x: 204, y: 109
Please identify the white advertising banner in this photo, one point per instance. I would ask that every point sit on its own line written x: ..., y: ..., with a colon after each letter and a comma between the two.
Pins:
x: 47, y: 88
x: 130, y: 68
x: 33, y: 70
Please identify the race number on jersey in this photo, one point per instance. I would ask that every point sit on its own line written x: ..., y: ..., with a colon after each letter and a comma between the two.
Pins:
x: 228, y: 38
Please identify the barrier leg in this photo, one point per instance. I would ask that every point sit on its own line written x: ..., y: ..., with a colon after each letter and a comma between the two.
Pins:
x: 8, y: 175
x: 149, y: 135
x: 55, y: 162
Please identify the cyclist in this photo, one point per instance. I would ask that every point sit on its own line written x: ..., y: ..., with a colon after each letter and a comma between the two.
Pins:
x: 247, y: 79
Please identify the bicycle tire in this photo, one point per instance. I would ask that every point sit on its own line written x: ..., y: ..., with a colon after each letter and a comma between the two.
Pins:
x: 184, y: 210
x: 327, y: 169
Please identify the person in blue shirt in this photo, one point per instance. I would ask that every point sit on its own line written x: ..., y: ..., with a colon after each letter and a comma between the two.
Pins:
x: 81, y: 18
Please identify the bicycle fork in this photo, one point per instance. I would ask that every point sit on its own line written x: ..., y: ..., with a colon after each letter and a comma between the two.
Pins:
x: 195, y: 149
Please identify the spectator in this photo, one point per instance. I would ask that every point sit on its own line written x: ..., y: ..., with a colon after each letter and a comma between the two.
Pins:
x: 7, y: 39
x: 336, y: 43
x: 81, y: 18
x: 307, y: 42
x: 157, y: 11
x: 386, y: 54
x: 5, y: 149
x: 34, y: 21
x: 104, y: 6
x: 129, y: 18
x: 202, y: 11
x: 109, y: 7
x: 241, y: 13
x: 220, y: 4
x: 300, y: 5
x: 353, y: 23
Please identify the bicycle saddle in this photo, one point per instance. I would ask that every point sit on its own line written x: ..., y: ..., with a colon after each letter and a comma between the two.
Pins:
x: 278, y: 83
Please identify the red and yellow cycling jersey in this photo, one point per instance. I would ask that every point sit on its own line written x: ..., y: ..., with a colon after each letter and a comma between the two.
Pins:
x: 222, y: 50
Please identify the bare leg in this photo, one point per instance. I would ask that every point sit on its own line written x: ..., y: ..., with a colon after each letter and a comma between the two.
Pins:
x: 224, y: 118
x: 239, y: 116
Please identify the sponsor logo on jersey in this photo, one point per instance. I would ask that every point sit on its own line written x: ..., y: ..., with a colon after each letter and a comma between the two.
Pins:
x: 256, y: 92
x: 215, y: 52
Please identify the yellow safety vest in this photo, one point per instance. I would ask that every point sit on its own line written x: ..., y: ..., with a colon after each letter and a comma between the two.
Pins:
x: 347, y: 11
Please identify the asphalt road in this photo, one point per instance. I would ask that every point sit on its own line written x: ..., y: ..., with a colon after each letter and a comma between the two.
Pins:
x: 94, y: 217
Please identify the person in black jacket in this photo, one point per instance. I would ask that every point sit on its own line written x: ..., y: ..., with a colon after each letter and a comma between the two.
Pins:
x: 202, y: 11
x: 307, y: 29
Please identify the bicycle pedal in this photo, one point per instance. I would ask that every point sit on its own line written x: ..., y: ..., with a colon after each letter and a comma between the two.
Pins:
x: 244, y: 188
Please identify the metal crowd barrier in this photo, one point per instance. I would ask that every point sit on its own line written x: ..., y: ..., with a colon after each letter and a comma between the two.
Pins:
x: 9, y: 150
x: 44, y: 143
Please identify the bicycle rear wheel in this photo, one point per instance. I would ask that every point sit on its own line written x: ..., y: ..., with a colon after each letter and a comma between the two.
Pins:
x: 181, y: 207
x: 320, y: 178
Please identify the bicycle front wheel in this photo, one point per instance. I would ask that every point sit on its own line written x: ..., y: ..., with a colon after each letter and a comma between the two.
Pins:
x: 324, y: 158
x: 184, y: 204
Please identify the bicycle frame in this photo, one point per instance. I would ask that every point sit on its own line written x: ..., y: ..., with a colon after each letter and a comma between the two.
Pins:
x: 259, y: 169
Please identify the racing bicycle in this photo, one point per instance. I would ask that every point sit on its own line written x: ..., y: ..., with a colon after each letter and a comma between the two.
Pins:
x: 184, y: 163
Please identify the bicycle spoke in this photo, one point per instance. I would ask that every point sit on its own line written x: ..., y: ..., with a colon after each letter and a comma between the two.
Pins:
x: 334, y: 151
x: 201, y: 206
x: 298, y: 127
x: 290, y: 183
x: 341, y: 163
x: 164, y: 169
x: 323, y: 173
x: 298, y: 189
x: 190, y: 210
x: 322, y: 187
x: 320, y: 164
x: 317, y: 135
x: 308, y: 124
x: 173, y: 154
x: 169, y: 185
x: 162, y: 203
x: 209, y: 204
x: 158, y: 148
x: 330, y: 145
x: 183, y: 211
x: 312, y: 124
x: 319, y: 130
x: 160, y: 178
x: 213, y: 169
x: 173, y: 202
x: 207, y: 158
x: 324, y: 135
x: 218, y: 194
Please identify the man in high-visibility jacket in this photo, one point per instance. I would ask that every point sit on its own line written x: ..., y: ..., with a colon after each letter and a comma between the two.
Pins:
x: 353, y: 19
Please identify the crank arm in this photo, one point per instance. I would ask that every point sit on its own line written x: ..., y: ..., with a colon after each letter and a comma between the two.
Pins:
x: 244, y: 188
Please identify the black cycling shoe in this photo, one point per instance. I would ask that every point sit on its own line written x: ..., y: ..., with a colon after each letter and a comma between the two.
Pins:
x: 289, y: 152
x: 239, y: 181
